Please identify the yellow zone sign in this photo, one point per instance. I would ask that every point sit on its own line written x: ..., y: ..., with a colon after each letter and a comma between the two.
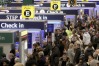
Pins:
x: 55, y: 5
x: 28, y: 11
x: 84, y: 0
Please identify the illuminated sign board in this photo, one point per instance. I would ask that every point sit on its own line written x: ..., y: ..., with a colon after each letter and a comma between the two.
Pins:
x: 21, y: 25
x: 37, y: 17
x: 63, y: 4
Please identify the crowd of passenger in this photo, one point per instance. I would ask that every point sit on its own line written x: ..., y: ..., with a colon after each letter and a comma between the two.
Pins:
x: 77, y: 44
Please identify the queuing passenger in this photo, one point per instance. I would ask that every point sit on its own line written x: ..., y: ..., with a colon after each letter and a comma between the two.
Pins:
x: 71, y: 53
x: 12, y: 58
x: 5, y: 62
x: 17, y: 62
x: 64, y: 60
x: 86, y: 38
x: 88, y: 51
x: 92, y: 61
x: 77, y: 54
x: 55, y: 55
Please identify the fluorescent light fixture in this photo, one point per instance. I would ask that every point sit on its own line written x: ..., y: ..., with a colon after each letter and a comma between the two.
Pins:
x: 37, y: 5
x: 54, y: 22
x: 2, y: 12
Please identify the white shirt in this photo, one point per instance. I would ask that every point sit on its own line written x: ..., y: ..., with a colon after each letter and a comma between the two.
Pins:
x: 86, y: 38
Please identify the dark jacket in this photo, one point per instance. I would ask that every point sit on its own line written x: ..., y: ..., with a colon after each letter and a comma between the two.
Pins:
x: 57, y: 38
x: 77, y: 55
x: 47, y: 49
x: 88, y: 52
x: 12, y: 62
x: 3, y: 60
x: 41, y: 61
x: 55, y: 56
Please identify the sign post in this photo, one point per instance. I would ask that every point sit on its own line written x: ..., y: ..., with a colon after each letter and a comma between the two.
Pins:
x: 55, y: 5
x: 28, y: 11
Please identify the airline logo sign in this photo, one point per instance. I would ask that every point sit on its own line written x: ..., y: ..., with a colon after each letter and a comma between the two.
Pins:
x: 28, y: 11
x: 55, y: 5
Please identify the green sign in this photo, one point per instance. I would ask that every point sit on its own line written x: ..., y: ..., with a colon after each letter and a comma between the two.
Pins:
x: 6, y: 37
x: 28, y: 2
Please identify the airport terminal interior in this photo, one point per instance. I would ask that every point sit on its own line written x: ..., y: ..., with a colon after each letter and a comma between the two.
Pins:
x: 49, y: 32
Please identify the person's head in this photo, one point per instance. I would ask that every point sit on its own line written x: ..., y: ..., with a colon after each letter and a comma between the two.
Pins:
x: 38, y: 43
x: 90, y: 45
x: 63, y: 41
x: 17, y: 60
x: 97, y: 51
x: 93, y: 33
x: 58, y: 31
x: 13, y: 51
x: 74, y: 32
x: 97, y: 63
x: 86, y: 29
x: 77, y: 45
x: 31, y: 63
x: 90, y: 57
x: 44, y: 43
x: 64, y: 57
x: 11, y: 55
x: 47, y: 59
x: 19, y: 64
x: 71, y: 46
x: 64, y: 30
x: 5, y: 62
x: 70, y: 64
x: 69, y: 22
x: 3, y: 55
x: 40, y: 54
x: 81, y: 60
x: 53, y: 44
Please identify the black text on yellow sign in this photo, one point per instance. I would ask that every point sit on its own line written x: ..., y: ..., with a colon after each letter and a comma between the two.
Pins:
x: 55, y: 5
x: 84, y: 0
x: 28, y: 11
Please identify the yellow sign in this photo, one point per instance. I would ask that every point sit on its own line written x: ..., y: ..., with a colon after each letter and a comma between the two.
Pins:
x: 84, y: 0
x: 55, y: 5
x: 72, y: 2
x: 28, y: 11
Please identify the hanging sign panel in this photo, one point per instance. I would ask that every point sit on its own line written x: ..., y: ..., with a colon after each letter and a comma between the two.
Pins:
x: 28, y: 11
x: 22, y: 25
x: 84, y: 0
x: 55, y: 5
x: 37, y: 17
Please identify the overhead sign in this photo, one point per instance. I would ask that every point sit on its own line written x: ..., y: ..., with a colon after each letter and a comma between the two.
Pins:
x: 28, y: 11
x: 55, y: 5
x: 72, y: 2
x: 4, y: 38
x: 37, y: 17
x: 70, y: 12
x: 22, y: 25
x: 48, y: 4
x: 84, y: 0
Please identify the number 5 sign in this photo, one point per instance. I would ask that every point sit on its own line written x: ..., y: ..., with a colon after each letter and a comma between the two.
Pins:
x: 55, y: 5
